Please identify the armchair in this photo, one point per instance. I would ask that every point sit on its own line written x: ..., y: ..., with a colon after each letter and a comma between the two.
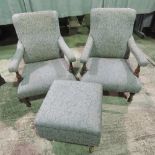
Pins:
x: 41, y: 46
x: 105, y: 56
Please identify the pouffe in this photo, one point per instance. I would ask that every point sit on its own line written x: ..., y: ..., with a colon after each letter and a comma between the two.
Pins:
x: 71, y: 112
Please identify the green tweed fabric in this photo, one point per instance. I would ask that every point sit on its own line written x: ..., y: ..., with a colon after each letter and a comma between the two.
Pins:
x: 71, y: 112
x: 39, y: 76
x: 16, y: 59
x: 115, y: 75
x: 69, y: 7
x: 111, y: 29
x: 39, y: 33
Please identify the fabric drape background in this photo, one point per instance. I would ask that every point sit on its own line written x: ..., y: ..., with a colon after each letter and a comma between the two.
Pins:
x: 68, y: 7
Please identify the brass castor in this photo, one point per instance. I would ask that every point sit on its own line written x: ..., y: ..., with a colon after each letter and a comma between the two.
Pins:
x: 91, y: 149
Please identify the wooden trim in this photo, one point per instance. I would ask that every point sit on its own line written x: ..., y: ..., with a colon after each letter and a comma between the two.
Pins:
x: 26, y: 101
x: 137, y: 71
x: 71, y: 69
x: 84, y: 69
x: 122, y: 94
x: 19, y: 77
x: 131, y: 97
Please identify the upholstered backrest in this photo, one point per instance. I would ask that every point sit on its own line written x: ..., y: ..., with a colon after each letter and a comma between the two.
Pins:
x: 111, y: 28
x: 39, y: 33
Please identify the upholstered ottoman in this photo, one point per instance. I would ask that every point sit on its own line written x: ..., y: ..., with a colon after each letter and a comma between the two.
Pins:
x: 71, y: 112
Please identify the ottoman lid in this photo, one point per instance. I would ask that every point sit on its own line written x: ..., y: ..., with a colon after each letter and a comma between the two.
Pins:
x: 72, y: 105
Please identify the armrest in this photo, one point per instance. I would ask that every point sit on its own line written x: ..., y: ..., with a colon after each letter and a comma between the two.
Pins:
x: 87, y: 50
x: 137, y: 52
x: 66, y: 50
x: 15, y: 60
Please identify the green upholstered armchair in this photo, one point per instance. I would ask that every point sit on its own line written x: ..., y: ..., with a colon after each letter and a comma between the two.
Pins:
x: 105, y: 56
x: 42, y: 48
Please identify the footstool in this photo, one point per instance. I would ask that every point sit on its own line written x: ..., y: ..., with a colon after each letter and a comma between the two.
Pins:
x: 71, y: 112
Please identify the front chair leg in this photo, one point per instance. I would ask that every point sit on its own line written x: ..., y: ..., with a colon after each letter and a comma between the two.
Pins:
x: 84, y: 69
x: 131, y: 97
x: 19, y: 77
x: 136, y: 73
x: 26, y: 101
x: 71, y: 69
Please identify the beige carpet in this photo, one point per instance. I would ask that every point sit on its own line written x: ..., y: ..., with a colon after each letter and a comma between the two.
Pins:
x: 126, y: 128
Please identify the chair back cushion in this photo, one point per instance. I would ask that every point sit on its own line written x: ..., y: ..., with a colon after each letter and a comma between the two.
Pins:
x: 111, y: 29
x: 39, y: 33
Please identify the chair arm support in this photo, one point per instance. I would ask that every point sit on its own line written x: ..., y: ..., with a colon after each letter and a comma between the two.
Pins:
x: 87, y: 50
x: 66, y: 50
x: 16, y: 59
x: 137, y: 52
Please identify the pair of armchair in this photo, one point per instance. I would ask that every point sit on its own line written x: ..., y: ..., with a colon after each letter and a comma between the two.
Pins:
x: 104, y: 58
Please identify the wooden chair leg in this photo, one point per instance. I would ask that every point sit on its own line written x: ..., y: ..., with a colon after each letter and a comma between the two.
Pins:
x: 106, y: 93
x: 26, y: 101
x: 19, y: 77
x: 137, y: 71
x: 2, y: 81
x: 91, y: 149
x: 71, y: 69
x: 131, y: 97
x: 121, y: 94
x: 84, y: 69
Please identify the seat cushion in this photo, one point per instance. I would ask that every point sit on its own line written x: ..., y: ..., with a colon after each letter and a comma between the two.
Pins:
x: 114, y: 74
x: 38, y: 77
x: 71, y: 112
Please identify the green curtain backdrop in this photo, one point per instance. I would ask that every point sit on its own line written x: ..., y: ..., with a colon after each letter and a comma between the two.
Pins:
x: 141, y: 6
x: 5, y: 13
x: 63, y: 7
x: 8, y: 8
x: 68, y: 7
x: 115, y: 3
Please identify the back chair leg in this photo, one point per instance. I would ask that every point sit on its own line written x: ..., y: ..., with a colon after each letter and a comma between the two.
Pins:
x: 26, y: 101
x: 106, y: 93
x: 121, y: 94
x: 131, y: 97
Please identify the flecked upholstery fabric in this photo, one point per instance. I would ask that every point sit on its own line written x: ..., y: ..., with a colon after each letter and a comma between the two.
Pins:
x: 39, y: 33
x: 66, y: 50
x: 40, y: 44
x: 137, y: 52
x: 87, y: 50
x: 111, y: 29
x: 107, y: 50
x: 71, y: 112
x: 39, y: 76
x: 16, y: 59
x: 113, y: 74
